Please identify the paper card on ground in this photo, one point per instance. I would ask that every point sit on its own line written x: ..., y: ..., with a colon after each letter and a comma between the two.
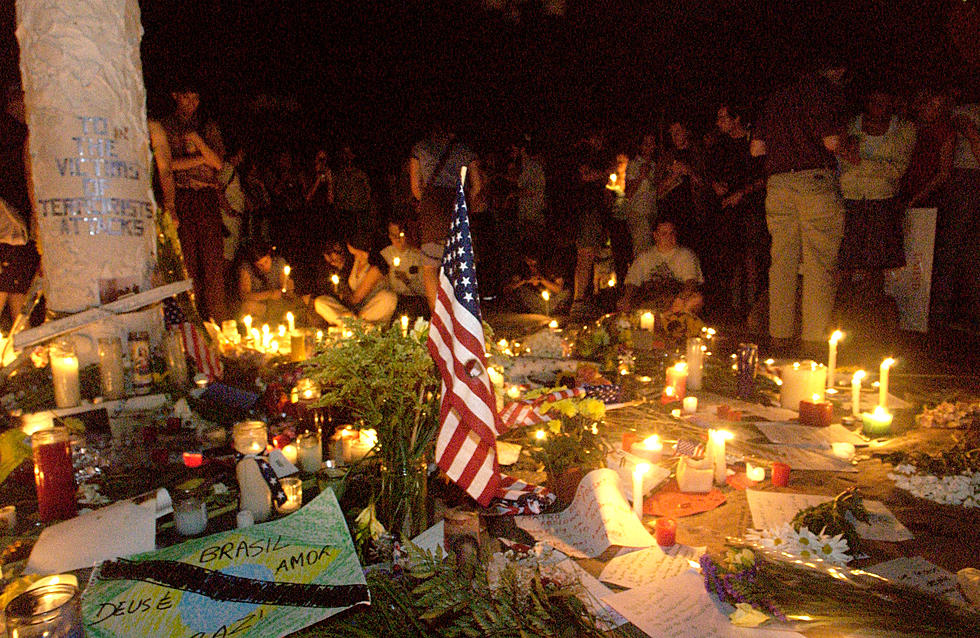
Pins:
x: 591, y: 595
x: 178, y: 593
x: 507, y: 453
x: 623, y: 463
x: 804, y: 459
x: 121, y: 529
x: 772, y: 509
x: 433, y: 539
x: 711, y: 401
x: 598, y: 517
x: 681, y: 608
x: 917, y: 572
x: 635, y: 569
x: 806, y: 436
x: 869, y: 401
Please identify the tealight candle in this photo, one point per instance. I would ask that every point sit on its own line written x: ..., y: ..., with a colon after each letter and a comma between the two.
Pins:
x: 651, y: 449
x: 690, y: 405
x: 293, y: 487
x: 647, y: 321
x: 816, y: 413
x: 755, y: 472
x: 856, y: 392
x: 665, y: 532
x: 878, y: 422
x: 638, y: 472
x: 883, y: 383
x: 832, y: 357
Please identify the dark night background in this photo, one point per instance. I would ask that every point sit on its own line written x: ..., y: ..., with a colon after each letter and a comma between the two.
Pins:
x: 372, y: 71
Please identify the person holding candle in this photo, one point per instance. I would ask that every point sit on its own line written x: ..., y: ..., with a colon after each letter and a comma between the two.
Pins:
x: 668, y: 276
x: 260, y: 282
x: 404, y: 261
x: 532, y: 278
x: 366, y: 295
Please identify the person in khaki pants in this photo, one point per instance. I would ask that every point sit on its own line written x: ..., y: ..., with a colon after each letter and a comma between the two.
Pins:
x: 801, y: 131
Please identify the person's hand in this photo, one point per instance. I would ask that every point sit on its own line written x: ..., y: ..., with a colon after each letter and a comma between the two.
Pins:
x: 732, y: 200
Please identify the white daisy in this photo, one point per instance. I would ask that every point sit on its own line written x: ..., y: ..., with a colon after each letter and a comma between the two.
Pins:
x: 833, y: 549
x: 807, y: 544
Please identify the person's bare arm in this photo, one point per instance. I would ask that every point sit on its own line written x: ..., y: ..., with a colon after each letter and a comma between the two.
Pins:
x: 371, y: 279
x: 415, y: 177
x: 211, y: 157
x: 941, y: 176
x: 163, y: 161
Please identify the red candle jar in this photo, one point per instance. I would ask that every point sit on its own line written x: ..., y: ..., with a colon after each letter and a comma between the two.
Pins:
x: 666, y: 532
x: 629, y: 438
x: 54, y: 475
x: 193, y: 459
x: 816, y: 413
x: 780, y: 474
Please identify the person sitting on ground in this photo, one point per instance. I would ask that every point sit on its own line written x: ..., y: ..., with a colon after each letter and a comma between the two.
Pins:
x: 262, y: 284
x: 365, y: 294
x: 666, y: 277
x: 404, y: 261
x: 528, y: 285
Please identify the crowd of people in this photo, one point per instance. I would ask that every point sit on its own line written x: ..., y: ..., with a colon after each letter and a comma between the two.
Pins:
x: 771, y: 216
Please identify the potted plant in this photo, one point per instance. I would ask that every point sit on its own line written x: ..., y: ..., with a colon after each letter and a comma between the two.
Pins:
x: 388, y: 382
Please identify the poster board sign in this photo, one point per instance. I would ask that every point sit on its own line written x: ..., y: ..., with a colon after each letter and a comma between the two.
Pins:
x: 911, y: 285
x: 264, y: 581
x: 89, y: 148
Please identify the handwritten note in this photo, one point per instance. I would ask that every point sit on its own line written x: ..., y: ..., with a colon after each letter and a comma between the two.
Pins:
x: 919, y: 573
x: 806, y: 436
x: 772, y: 509
x: 591, y: 594
x: 635, y: 569
x: 598, y: 517
x: 681, y: 608
x: 804, y: 459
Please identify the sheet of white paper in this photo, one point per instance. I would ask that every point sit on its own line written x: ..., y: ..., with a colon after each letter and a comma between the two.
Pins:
x: 772, y: 509
x: 432, y: 539
x: 919, y: 573
x: 623, y: 463
x: 121, y: 529
x: 598, y: 517
x: 806, y: 436
x: 869, y: 400
x: 507, y: 453
x: 711, y: 401
x: 681, y: 608
x: 280, y: 464
x: 638, y: 568
x: 591, y: 595
x: 805, y: 459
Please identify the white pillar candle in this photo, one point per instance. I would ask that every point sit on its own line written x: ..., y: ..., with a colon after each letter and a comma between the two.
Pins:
x: 404, y: 322
x: 832, y: 357
x: 290, y: 322
x: 638, y: 472
x: 883, y: 381
x: 799, y: 382
x: 856, y: 392
x: 690, y: 403
x: 695, y: 363
x: 64, y: 376
x: 715, y: 451
x: 647, y: 321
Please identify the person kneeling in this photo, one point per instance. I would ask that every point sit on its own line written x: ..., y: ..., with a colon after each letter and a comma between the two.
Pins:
x: 666, y: 277
x: 362, y: 290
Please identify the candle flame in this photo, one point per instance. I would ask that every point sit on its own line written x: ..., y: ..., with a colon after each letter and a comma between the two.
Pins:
x: 553, y: 324
x: 545, y: 295
x: 335, y: 279
x: 652, y: 443
x: 290, y: 317
x: 396, y: 262
x: 669, y: 391
x: 887, y: 363
x: 837, y: 336
x: 641, y: 469
x: 880, y: 412
x: 860, y: 374
x: 540, y: 435
x: 816, y: 398
x: 286, y: 269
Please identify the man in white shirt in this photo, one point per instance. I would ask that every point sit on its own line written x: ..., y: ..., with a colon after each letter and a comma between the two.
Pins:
x: 667, y: 276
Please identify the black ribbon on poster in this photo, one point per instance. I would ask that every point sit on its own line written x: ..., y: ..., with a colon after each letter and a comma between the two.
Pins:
x: 219, y: 586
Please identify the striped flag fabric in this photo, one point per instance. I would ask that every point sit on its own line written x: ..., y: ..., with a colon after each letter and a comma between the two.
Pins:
x: 466, y: 448
x: 196, y: 344
x: 527, y: 411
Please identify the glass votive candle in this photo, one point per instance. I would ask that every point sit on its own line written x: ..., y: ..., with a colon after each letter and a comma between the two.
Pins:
x: 111, y: 368
x: 755, y: 472
x: 309, y: 451
x: 45, y: 611
x: 64, y: 374
x: 293, y: 487
x: 780, y: 474
x: 690, y: 405
x: 190, y: 514
x: 666, y: 532
x: 250, y: 437
x: 54, y: 475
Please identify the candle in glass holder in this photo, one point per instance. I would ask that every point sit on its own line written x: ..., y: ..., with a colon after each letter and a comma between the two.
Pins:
x: 651, y: 449
x: 250, y: 437
x: 647, y: 321
x: 677, y: 379
x: 111, y: 371
x: 883, y: 382
x: 190, y: 514
x: 64, y: 374
x: 666, y: 532
x: 291, y: 453
x: 755, y: 472
x: 878, y: 422
x: 799, y: 382
x: 638, y: 472
x: 310, y: 451
x: 293, y: 487
x: 54, y: 476
x: 297, y: 345
x: 695, y: 362
x: 690, y: 405
x: 856, y: 392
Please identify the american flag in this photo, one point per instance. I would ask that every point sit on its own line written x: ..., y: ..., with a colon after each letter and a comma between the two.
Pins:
x: 527, y: 412
x: 195, y: 342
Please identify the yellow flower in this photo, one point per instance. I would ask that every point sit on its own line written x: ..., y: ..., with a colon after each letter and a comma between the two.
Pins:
x: 593, y: 409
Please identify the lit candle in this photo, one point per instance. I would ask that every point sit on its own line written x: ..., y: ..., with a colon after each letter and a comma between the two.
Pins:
x: 638, y: 472
x: 832, y: 357
x: 666, y: 532
x: 293, y: 487
x: 651, y: 449
x: 256, y: 337
x: 816, y: 413
x: 883, y: 382
x: 250, y: 437
x: 878, y: 422
x: 291, y: 322
x: 695, y: 362
x: 677, y: 379
x: 319, y: 336
x: 546, y: 295
x: 64, y: 376
x: 647, y: 321
x: 404, y: 321
x: 780, y: 474
x: 514, y: 392
x: 715, y: 451
x: 690, y: 405
x: 799, y: 382
x: 193, y: 459
x: 396, y: 262
x: 291, y: 453
x: 310, y: 451
x: 540, y: 435
x: 856, y: 392
x: 335, y: 280
x: 285, y: 277
x: 755, y: 472
x: 247, y: 321
x: 553, y: 324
